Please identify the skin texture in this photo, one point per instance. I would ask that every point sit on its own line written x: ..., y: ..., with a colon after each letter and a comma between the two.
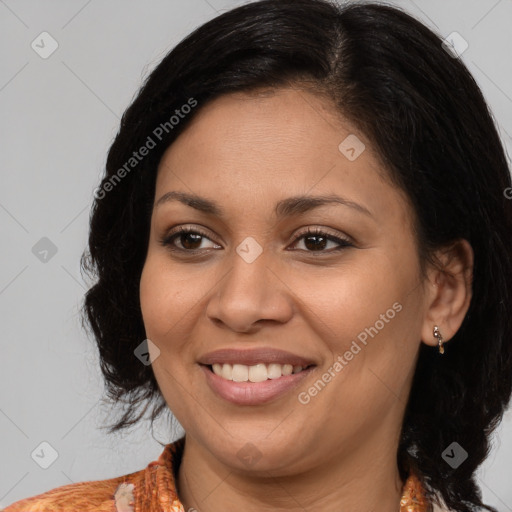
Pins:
x: 246, y: 152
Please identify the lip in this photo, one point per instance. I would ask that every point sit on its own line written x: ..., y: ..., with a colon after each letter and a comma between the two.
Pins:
x: 253, y: 393
x: 250, y: 357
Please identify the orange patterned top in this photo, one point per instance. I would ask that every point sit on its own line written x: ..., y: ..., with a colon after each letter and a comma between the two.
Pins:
x: 153, y: 489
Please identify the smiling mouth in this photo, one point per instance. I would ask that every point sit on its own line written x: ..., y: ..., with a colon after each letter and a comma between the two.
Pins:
x: 254, y: 373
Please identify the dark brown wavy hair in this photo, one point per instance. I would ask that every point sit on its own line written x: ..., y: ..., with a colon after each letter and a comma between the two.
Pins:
x: 390, y: 76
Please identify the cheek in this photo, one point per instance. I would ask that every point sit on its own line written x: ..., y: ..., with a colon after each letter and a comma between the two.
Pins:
x: 371, y: 320
x: 164, y: 299
x: 151, y: 302
x: 172, y: 299
x: 370, y: 314
x: 347, y: 300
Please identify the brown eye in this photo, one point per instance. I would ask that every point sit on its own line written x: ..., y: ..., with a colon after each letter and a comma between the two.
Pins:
x: 189, y: 240
x: 316, y: 240
x: 186, y: 240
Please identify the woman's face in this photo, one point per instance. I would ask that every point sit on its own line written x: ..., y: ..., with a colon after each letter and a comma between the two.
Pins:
x: 346, y: 303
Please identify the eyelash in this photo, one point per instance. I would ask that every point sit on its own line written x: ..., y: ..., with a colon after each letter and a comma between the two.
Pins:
x: 168, y: 240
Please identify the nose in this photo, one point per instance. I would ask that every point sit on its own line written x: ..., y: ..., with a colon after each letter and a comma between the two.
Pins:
x: 249, y: 296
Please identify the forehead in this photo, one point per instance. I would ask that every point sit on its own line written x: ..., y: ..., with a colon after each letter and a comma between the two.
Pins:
x: 283, y: 130
x: 272, y: 144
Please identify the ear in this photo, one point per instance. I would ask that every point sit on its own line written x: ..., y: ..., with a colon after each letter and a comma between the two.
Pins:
x: 449, y: 291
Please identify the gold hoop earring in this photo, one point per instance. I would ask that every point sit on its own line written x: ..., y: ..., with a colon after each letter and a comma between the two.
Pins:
x: 439, y: 338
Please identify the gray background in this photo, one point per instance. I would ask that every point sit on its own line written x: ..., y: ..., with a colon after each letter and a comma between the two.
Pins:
x: 58, y: 117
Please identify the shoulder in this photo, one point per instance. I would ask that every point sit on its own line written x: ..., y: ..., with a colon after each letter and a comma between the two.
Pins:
x: 94, y: 496
x: 140, y: 490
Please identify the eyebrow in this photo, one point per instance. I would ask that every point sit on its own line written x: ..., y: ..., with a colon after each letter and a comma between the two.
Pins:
x: 286, y: 207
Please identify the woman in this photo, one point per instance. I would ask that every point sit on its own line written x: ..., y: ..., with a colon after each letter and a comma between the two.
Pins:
x: 302, y: 250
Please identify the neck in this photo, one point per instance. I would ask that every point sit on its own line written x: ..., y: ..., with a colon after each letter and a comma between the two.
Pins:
x: 365, y: 478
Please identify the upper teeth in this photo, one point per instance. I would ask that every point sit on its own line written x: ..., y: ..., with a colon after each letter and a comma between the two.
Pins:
x: 256, y: 373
